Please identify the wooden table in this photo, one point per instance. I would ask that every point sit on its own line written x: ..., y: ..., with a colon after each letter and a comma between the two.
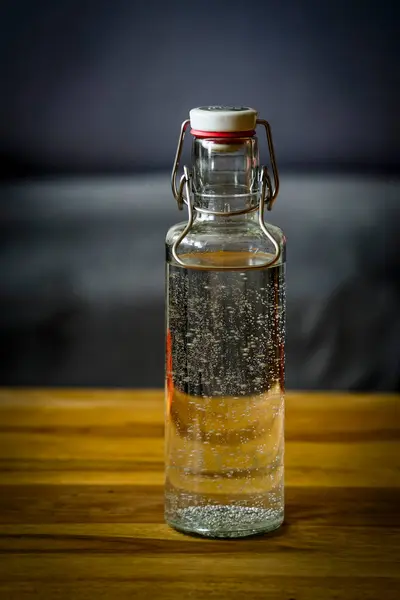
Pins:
x: 81, y: 504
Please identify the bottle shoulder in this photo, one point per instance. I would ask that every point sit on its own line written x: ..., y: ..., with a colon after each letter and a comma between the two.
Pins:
x: 205, y: 232
x: 174, y: 232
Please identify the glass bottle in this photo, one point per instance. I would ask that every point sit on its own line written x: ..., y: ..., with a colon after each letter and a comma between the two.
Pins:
x: 225, y: 320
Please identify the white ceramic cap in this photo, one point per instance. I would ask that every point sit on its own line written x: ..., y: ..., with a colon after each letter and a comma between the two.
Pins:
x: 223, y: 118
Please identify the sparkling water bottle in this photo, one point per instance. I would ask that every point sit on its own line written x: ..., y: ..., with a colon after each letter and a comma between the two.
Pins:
x: 225, y: 320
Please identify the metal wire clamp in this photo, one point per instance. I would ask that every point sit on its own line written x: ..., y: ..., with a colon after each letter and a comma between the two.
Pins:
x: 182, y: 194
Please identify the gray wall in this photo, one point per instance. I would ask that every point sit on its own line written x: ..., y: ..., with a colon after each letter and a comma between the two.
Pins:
x: 103, y: 85
x: 95, y: 87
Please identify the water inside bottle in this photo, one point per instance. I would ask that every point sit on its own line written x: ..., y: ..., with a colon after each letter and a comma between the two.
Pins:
x: 225, y: 385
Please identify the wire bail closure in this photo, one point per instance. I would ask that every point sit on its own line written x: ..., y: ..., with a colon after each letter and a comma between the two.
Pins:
x: 182, y: 194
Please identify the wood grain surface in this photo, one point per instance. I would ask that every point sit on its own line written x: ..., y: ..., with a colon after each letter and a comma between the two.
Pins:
x: 81, y: 503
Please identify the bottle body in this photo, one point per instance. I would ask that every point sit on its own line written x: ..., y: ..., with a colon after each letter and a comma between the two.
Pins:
x: 225, y: 381
x: 225, y: 321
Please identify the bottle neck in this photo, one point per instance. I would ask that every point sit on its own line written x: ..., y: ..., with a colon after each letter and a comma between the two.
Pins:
x: 225, y: 177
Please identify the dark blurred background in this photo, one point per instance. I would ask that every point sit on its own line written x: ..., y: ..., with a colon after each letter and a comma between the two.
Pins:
x: 92, y: 97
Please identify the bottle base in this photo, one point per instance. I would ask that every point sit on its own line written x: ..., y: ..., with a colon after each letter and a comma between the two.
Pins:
x: 226, y: 521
